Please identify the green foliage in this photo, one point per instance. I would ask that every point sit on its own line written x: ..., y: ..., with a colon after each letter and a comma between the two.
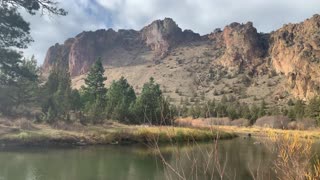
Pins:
x: 254, y: 113
x: 195, y: 111
x: 151, y: 107
x: 94, y: 83
x: 75, y: 100
x: 18, y: 77
x: 299, y: 109
x: 312, y: 110
x: 57, y: 95
x: 119, y: 98
x: 245, y: 111
x: 15, y: 33
x: 22, y: 92
x: 94, y: 92
x: 290, y: 102
x: 262, y: 109
x: 291, y: 114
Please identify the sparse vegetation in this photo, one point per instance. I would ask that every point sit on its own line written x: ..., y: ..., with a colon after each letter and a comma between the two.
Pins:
x: 228, y: 84
x: 107, y: 133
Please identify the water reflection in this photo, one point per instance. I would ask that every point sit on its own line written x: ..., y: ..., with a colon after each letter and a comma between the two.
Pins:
x: 236, y: 159
x: 241, y: 156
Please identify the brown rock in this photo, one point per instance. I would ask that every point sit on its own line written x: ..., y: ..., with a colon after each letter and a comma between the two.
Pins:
x: 295, y: 52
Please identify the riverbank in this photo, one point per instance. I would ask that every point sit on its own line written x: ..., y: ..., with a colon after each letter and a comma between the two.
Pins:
x: 262, y: 132
x: 108, y: 133
x: 242, y: 128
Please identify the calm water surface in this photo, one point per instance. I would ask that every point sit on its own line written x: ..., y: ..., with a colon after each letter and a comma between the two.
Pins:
x: 133, y: 162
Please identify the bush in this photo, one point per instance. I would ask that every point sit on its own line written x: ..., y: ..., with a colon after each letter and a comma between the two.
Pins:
x: 306, y: 123
x: 240, y: 122
x: 277, y: 122
x: 217, y: 121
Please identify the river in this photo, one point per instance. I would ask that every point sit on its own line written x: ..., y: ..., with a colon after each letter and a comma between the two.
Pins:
x: 239, y: 156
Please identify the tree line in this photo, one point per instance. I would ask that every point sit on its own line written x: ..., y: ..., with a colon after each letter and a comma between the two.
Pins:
x: 22, y: 91
x: 94, y: 102
x: 231, y: 107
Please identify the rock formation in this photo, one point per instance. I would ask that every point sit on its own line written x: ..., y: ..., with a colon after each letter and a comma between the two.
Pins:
x: 293, y: 52
x: 125, y: 47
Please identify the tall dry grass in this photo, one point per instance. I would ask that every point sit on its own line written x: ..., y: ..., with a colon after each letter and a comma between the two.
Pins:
x: 203, y: 163
x: 293, y: 160
x: 293, y: 157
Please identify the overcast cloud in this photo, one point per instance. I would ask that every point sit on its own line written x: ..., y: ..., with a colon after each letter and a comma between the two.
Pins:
x: 201, y: 16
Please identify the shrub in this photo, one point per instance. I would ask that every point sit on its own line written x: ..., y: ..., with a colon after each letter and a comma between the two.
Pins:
x: 306, y: 123
x: 240, y: 122
x: 278, y: 122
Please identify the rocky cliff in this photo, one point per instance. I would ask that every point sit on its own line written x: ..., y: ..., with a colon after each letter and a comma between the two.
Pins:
x: 285, y: 61
x: 122, y: 48
x: 295, y: 52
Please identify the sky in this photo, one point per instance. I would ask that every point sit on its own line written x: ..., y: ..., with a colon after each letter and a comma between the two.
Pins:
x: 201, y: 16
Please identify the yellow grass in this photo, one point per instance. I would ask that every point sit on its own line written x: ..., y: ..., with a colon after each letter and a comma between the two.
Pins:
x: 259, y: 131
x: 111, y: 133
x: 253, y: 130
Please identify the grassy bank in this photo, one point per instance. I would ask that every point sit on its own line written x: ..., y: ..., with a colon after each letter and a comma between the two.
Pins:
x: 108, y: 133
x: 244, y: 129
x: 259, y: 131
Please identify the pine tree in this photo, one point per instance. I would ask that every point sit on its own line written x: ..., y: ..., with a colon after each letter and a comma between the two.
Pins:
x: 313, y: 108
x: 76, y: 103
x: 150, y: 106
x: 56, y: 95
x: 22, y: 93
x: 262, y: 109
x: 94, y: 92
x: 119, y: 98
x: 15, y: 34
x: 94, y: 83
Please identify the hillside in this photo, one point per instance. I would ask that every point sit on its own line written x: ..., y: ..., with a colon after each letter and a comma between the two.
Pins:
x: 236, y: 60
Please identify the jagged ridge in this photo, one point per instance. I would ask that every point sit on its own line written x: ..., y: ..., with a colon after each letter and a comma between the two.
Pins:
x: 293, y: 52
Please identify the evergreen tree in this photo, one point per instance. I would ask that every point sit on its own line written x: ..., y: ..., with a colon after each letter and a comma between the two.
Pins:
x: 232, y: 113
x: 221, y: 109
x: 245, y: 111
x: 262, y: 109
x: 150, y: 106
x: 119, y: 98
x: 57, y: 95
x: 76, y: 103
x: 184, y: 111
x: 291, y: 114
x: 191, y: 112
x: 22, y: 93
x: 299, y: 109
x: 255, y: 111
x: 94, y: 92
x: 15, y: 34
x: 313, y: 108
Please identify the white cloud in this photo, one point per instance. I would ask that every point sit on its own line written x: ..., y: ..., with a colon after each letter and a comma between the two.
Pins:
x: 202, y: 16
x: 46, y: 31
